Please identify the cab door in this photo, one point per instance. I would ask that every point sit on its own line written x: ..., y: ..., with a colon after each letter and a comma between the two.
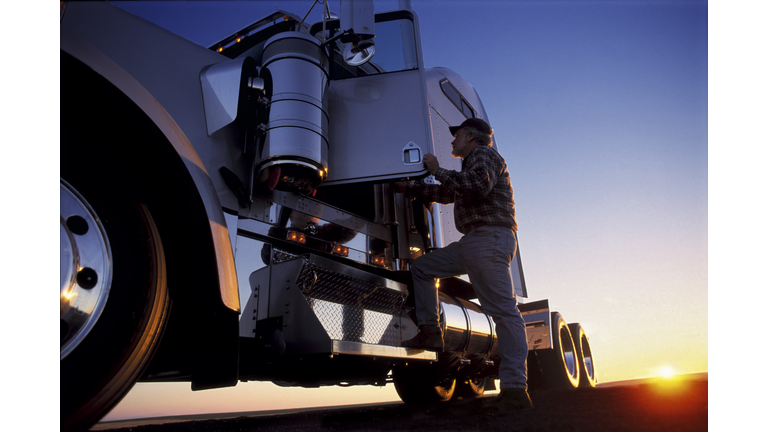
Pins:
x: 451, y: 101
x: 379, y: 125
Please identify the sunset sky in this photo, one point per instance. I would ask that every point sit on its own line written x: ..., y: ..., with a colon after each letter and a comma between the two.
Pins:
x: 600, y: 109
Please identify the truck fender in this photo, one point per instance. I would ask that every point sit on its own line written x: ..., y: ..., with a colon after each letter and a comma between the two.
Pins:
x: 219, y: 234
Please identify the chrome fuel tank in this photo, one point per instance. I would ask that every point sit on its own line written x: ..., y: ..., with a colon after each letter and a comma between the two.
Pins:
x: 466, y: 328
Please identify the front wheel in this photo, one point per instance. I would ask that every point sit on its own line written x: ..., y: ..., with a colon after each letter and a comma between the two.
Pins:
x: 113, y: 300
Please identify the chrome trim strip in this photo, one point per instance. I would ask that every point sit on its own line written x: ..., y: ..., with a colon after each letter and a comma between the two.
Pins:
x: 356, y: 348
x: 437, y: 226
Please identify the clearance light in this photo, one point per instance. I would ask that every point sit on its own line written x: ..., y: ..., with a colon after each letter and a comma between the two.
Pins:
x: 296, y: 237
x: 341, y: 250
x: 437, y: 283
x: 220, y: 49
x: 378, y: 261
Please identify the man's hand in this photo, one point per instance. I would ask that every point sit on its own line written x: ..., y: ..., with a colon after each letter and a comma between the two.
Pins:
x: 431, y: 163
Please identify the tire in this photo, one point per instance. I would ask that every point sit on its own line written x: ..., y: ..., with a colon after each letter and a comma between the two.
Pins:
x: 471, y: 388
x: 105, y: 353
x: 416, y: 387
x: 556, y: 368
x: 587, y: 376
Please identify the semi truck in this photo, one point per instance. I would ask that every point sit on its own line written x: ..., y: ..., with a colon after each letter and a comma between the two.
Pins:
x: 228, y: 213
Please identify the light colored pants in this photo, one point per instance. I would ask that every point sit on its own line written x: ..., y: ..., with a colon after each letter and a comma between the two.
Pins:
x: 484, y: 254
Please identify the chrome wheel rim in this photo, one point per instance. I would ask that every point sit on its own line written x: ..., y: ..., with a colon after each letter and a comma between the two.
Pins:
x: 587, y: 353
x: 569, y: 353
x: 85, y: 267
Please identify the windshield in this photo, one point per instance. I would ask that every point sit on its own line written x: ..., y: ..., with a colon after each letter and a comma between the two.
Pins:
x: 395, y: 47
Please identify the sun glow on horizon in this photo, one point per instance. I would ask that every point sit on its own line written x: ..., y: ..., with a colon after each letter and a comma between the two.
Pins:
x: 667, y: 372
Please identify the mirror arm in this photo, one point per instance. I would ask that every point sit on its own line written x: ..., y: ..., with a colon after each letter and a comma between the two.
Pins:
x: 338, y: 36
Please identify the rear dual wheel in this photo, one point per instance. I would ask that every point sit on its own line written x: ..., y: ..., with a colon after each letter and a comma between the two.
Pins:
x: 587, y: 377
x: 556, y: 368
x: 417, y: 388
x: 414, y: 386
x: 113, y: 300
x: 471, y: 388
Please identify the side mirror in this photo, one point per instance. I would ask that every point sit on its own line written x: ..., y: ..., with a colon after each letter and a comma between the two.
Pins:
x: 358, y: 54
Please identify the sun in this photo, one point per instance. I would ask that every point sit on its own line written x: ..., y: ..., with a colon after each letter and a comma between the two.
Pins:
x: 667, y: 372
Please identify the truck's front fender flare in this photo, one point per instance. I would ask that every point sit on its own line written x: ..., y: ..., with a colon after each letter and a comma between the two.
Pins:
x: 117, y: 76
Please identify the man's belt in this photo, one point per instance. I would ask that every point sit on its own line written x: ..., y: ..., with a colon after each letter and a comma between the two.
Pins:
x: 474, y: 225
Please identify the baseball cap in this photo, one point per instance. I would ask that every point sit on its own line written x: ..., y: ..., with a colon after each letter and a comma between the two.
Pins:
x: 474, y: 123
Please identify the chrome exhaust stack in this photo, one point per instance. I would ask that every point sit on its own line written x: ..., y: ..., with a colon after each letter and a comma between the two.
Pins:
x: 295, y: 152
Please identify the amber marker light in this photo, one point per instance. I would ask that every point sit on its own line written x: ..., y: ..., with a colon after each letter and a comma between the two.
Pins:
x: 341, y: 250
x: 296, y: 237
x: 437, y: 283
x: 378, y: 261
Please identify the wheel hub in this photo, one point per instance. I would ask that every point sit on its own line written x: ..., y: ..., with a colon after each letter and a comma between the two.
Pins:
x: 85, y: 268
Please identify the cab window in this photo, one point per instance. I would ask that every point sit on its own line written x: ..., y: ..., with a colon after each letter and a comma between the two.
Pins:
x: 455, y: 97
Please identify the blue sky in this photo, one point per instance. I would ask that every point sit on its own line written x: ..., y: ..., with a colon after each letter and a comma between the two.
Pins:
x: 601, y: 110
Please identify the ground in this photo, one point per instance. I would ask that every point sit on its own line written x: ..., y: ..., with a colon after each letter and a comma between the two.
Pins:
x: 653, y: 405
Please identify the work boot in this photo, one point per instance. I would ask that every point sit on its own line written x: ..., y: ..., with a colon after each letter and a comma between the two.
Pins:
x: 429, y: 337
x: 509, y: 399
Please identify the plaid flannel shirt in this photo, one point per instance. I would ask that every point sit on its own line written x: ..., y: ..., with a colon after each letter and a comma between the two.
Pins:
x: 481, y: 192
